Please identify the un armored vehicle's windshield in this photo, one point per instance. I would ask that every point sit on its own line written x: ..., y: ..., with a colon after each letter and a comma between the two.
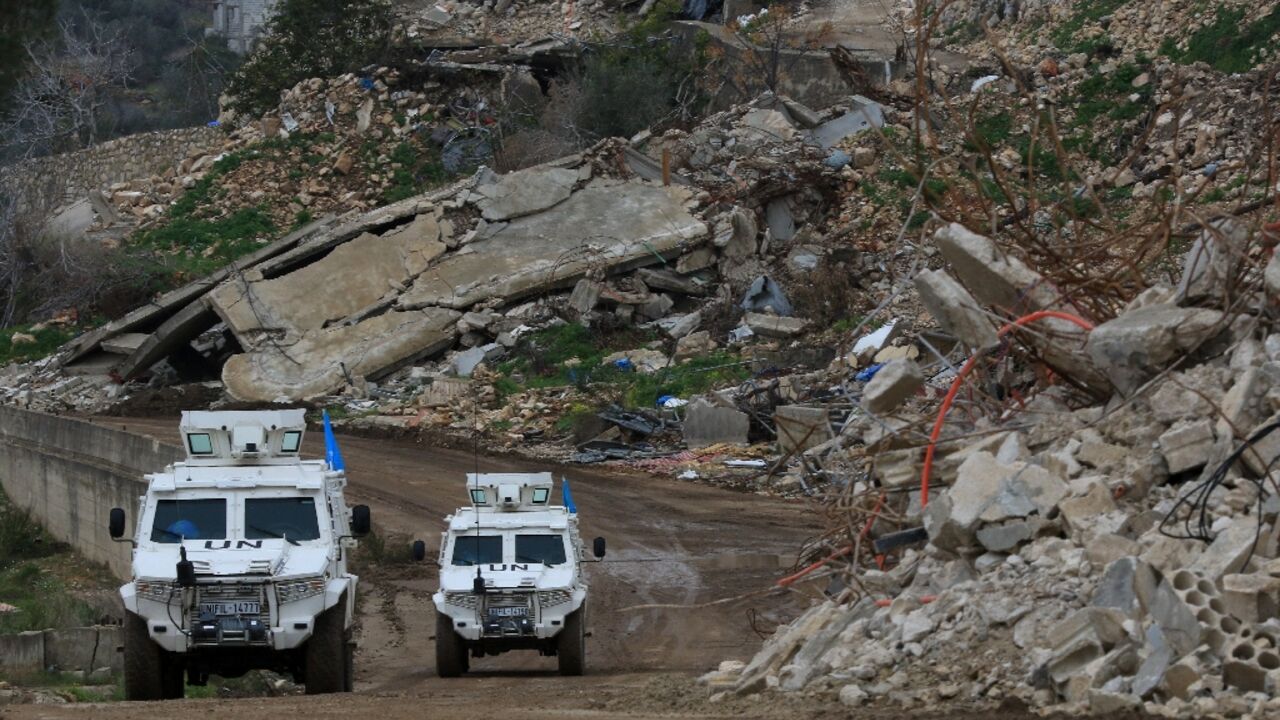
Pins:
x: 291, y: 518
x: 477, y: 550
x: 176, y: 520
x: 545, y: 549
x: 294, y: 518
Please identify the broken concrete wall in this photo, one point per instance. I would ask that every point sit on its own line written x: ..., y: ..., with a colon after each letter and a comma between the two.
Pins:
x: 376, y: 302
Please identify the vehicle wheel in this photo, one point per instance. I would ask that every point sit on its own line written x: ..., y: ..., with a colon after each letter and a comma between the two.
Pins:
x: 571, y: 644
x: 350, y: 680
x: 144, y: 666
x: 451, y: 651
x: 327, y: 657
x: 174, y: 680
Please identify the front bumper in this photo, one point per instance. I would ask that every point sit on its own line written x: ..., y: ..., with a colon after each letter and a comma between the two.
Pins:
x: 479, y: 620
x: 174, y: 625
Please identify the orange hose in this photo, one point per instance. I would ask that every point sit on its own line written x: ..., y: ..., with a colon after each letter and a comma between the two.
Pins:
x: 959, y: 379
x: 924, y: 600
x: 933, y: 442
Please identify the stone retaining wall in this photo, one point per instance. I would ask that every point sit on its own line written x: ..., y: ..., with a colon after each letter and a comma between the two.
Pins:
x: 47, y: 183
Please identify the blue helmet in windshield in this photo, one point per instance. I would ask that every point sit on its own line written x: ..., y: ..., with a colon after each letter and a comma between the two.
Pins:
x: 184, y: 529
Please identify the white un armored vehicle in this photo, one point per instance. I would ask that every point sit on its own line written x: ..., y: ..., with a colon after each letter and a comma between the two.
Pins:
x: 240, y: 561
x: 511, y: 575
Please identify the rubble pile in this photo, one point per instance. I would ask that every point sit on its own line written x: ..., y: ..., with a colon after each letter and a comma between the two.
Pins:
x: 1110, y: 544
x: 451, y: 280
x: 510, y: 21
x: 1035, y: 28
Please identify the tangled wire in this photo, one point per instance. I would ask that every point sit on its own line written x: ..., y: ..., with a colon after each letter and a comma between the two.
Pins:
x: 1197, y: 521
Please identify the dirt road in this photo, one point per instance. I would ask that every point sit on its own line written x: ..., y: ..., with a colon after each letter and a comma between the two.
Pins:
x: 670, y: 542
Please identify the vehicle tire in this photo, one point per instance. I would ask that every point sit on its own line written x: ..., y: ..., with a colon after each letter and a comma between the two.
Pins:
x: 451, y: 651
x: 144, y: 666
x: 173, y: 680
x: 349, y: 682
x: 327, y: 656
x: 571, y: 644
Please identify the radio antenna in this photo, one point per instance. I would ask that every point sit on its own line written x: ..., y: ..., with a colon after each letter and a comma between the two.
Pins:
x: 478, y: 586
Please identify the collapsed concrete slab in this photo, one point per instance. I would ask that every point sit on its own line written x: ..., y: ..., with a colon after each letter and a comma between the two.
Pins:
x: 525, y: 192
x: 1008, y: 285
x: 1135, y: 346
x: 355, y: 276
x: 325, y: 360
x: 610, y: 224
x: 955, y: 309
x: 155, y: 313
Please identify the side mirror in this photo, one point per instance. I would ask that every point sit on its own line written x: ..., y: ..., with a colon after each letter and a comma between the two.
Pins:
x: 360, y: 522
x: 115, y: 525
x: 419, y: 551
x: 597, y: 547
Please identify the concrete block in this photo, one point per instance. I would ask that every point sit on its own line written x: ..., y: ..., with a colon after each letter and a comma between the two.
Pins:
x: 24, y: 650
x: 775, y: 326
x: 1105, y: 548
x: 1247, y: 664
x: 1007, y: 536
x: 1082, y: 639
x: 1228, y: 551
x: 1153, y: 668
x: 801, y: 428
x: 1187, y: 445
x: 1127, y: 585
x: 988, y: 491
x: 1180, y: 676
x: 585, y: 296
x: 1190, y: 611
x: 706, y: 424
x: 1212, y: 262
x: 892, y: 385
x: 1133, y: 347
x: 955, y: 309
x: 1079, y: 512
x: 1251, y: 598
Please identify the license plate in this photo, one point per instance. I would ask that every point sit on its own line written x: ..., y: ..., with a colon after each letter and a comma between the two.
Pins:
x: 247, y: 607
x: 509, y: 611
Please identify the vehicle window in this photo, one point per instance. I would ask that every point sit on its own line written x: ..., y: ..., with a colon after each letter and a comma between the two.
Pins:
x: 477, y: 550
x: 292, y: 440
x: 178, y: 520
x: 293, y: 518
x: 544, y: 549
x: 200, y: 443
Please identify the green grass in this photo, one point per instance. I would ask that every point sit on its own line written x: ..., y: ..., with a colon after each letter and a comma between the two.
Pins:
x: 685, y: 380
x: 540, y: 362
x: 1067, y: 35
x: 48, y: 340
x: 194, y: 241
x: 1228, y: 44
x: 414, y: 171
x: 41, y: 598
x: 1101, y: 95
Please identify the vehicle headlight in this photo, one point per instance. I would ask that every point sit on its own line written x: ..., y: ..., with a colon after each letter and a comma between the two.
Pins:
x: 547, y: 598
x: 153, y: 590
x: 294, y: 590
x: 462, y: 600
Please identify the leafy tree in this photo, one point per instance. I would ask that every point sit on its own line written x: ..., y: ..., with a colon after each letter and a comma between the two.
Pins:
x: 311, y: 38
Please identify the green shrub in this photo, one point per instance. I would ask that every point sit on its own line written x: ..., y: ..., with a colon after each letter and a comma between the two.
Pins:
x: 312, y: 38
